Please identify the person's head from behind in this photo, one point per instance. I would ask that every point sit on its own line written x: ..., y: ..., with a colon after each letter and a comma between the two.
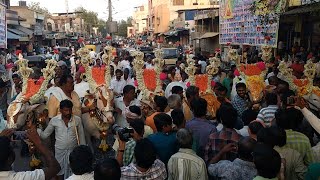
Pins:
x: 7, y: 155
x: 246, y: 146
x: 288, y: 118
x: 66, y: 108
x: 81, y: 159
x: 174, y: 101
x: 241, y: 89
x: 273, y: 80
x: 161, y: 103
x: 126, y: 72
x: 271, y: 99
x: 282, y: 87
x: 184, y: 138
x: 199, y: 107
x: 107, y: 169
x: 266, y: 160
x: 227, y: 115
x: 221, y: 93
x: 192, y: 92
x: 129, y: 92
x: 177, y: 90
x: 66, y: 83
x: 254, y: 127
x: 138, y: 128
x: 145, y: 153
x: 119, y: 74
x: 133, y: 112
x: 163, y: 122
x: 178, y: 118
x: 272, y: 136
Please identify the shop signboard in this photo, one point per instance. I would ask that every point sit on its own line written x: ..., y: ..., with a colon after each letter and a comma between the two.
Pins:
x: 240, y: 26
x: 3, y: 26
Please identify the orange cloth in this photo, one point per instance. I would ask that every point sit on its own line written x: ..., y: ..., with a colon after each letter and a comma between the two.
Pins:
x: 150, y: 122
x: 187, y: 111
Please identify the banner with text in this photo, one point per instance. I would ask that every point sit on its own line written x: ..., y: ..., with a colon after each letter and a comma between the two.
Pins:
x: 3, y: 26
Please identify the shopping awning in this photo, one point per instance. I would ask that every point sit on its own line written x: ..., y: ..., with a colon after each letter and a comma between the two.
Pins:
x: 12, y: 36
x: 22, y: 36
x: 171, y: 33
x: 302, y: 10
x: 25, y: 30
x: 209, y: 35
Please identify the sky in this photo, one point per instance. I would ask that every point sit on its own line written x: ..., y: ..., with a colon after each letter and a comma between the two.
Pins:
x: 121, y: 8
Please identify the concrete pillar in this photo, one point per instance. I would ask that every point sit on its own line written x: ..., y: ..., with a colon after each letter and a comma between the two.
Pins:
x: 298, y: 28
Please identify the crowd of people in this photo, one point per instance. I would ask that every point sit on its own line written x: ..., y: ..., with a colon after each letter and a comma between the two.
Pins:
x: 172, y: 136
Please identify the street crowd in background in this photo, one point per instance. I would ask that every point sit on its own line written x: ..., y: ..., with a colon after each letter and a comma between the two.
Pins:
x: 173, y: 136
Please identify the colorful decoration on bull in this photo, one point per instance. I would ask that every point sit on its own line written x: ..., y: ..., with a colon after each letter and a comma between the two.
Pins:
x: 191, y: 70
x: 254, y: 77
x: 233, y: 56
x: 32, y: 89
x: 158, y: 64
x: 266, y: 53
x: 99, y: 81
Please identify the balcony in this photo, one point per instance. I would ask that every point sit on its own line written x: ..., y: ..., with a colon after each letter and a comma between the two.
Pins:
x: 206, y: 14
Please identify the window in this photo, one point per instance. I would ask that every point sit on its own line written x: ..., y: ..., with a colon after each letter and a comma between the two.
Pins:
x: 178, y: 2
x: 49, y: 26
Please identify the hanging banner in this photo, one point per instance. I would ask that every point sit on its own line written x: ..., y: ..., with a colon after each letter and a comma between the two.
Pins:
x: 3, y: 26
x: 240, y: 25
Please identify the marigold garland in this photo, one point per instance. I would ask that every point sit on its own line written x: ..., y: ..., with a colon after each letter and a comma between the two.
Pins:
x: 213, y: 103
x: 316, y: 91
x: 256, y: 86
x: 301, y: 82
x: 202, y: 82
x: 98, y: 74
x: 250, y: 69
x: 149, y: 76
x: 33, y: 87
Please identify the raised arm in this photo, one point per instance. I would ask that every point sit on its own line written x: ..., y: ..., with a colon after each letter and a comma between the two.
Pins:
x: 53, y: 165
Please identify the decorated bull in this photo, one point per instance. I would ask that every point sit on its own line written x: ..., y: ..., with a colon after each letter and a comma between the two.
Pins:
x: 97, y: 122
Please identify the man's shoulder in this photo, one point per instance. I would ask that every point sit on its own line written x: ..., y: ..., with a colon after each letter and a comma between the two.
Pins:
x: 36, y: 174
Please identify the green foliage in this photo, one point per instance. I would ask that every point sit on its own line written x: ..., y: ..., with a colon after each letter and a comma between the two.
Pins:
x: 35, y: 6
x: 90, y: 18
x: 123, y: 25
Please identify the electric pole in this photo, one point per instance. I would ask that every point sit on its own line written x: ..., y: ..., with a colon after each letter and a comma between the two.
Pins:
x: 109, y: 22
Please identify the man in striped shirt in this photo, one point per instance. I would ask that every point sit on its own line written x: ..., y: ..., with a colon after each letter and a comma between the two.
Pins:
x: 267, y: 114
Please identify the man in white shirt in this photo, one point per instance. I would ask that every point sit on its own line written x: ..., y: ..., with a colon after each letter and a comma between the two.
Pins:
x: 92, y: 54
x: 129, y: 81
x: 118, y: 83
x: 123, y: 103
x: 68, y: 134
x: 81, y: 87
x: 81, y: 160
x: 7, y: 158
x: 203, y: 65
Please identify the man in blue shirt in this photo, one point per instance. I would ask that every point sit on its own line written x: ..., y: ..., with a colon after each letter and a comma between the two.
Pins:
x: 164, y: 140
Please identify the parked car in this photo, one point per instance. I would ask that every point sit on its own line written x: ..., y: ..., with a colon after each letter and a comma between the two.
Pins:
x: 170, y: 56
x: 38, y: 60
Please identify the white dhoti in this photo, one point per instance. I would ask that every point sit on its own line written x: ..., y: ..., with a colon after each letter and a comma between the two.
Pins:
x: 62, y: 156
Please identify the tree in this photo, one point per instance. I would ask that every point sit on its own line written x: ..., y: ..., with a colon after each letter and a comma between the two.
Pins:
x: 123, y: 26
x: 35, y: 6
x: 90, y: 18
x: 102, y: 27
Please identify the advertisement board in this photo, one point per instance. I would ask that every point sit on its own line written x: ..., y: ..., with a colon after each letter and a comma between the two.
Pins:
x: 3, y: 26
x: 240, y: 26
